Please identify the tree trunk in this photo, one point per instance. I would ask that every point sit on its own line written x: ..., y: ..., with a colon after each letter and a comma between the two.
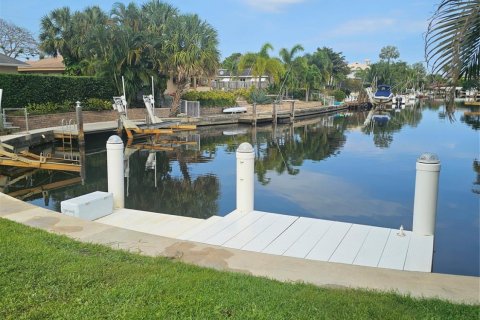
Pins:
x: 307, y: 93
x: 175, y: 109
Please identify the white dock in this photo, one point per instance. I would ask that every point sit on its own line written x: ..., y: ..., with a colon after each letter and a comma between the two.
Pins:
x: 293, y: 236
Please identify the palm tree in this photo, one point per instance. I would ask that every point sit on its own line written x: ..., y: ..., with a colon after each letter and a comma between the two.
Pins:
x: 191, y: 51
x: 452, y: 41
x: 262, y: 64
x: 287, y: 58
x: 55, y: 33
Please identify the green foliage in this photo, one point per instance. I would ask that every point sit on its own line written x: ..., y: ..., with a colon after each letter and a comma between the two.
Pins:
x: 46, y: 276
x: 96, y: 104
x: 213, y: 98
x: 259, y: 96
x: 49, y: 107
x: 91, y: 104
x: 19, y: 90
x: 339, y: 95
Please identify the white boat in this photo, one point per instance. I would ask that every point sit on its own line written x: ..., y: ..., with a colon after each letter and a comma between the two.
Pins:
x: 383, y: 94
x: 236, y: 109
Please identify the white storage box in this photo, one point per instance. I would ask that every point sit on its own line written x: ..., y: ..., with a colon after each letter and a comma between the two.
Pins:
x: 90, y: 206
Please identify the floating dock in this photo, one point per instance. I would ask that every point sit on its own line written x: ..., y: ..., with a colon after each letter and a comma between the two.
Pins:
x: 292, y: 236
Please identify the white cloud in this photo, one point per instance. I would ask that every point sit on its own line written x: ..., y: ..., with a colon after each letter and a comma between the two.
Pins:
x: 328, y: 196
x: 271, y: 5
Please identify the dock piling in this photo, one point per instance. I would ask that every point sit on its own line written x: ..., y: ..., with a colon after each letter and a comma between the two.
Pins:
x: 426, y: 194
x: 115, y: 171
x: 245, y: 177
x: 81, y: 134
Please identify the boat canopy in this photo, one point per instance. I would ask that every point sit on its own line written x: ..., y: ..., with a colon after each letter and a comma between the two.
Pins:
x: 383, y: 91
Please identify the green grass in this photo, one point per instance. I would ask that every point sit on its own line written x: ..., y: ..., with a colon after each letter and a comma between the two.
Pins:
x: 45, y: 276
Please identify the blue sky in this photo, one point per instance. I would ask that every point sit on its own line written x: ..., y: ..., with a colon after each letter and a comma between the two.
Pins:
x: 358, y: 29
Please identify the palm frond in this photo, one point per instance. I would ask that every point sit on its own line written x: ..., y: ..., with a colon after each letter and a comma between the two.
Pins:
x: 452, y: 41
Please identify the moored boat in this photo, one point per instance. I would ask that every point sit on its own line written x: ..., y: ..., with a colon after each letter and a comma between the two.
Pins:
x: 383, y: 94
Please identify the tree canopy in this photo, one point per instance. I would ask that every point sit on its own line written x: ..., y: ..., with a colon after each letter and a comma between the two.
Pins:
x: 137, y: 42
x: 452, y: 41
x: 16, y: 42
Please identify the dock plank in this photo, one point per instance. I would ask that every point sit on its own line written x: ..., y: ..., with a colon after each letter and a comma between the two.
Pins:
x: 199, y: 228
x: 419, y: 254
x: 309, y: 239
x: 395, y: 252
x: 372, y: 249
x: 215, y: 228
x: 351, y: 244
x: 325, y: 247
x: 259, y: 243
x: 288, y: 237
x: 230, y: 231
x: 252, y: 231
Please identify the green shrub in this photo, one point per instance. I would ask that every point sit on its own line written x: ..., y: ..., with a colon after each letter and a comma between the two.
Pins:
x: 50, y: 107
x: 96, y: 104
x: 92, y: 104
x: 259, y: 96
x: 339, y: 95
x: 213, y: 98
x: 20, y: 90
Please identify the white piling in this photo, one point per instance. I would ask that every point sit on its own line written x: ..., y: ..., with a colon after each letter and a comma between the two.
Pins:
x: 245, y: 177
x: 426, y: 194
x: 115, y: 170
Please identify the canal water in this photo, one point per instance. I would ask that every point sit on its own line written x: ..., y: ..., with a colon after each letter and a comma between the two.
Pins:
x: 329, y: 167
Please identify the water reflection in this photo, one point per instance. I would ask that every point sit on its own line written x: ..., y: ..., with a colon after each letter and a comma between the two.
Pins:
x: 329, y: 167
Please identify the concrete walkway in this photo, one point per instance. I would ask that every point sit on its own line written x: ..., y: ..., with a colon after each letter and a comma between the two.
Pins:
x: 417, y: 284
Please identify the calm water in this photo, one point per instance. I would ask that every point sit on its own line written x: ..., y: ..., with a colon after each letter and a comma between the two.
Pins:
x: 328, y: 167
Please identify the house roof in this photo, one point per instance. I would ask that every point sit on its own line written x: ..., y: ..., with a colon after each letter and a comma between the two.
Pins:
x: 10, y: 62
x: 46, y: 64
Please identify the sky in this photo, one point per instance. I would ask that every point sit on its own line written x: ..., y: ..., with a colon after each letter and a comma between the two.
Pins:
x: 358, y: 29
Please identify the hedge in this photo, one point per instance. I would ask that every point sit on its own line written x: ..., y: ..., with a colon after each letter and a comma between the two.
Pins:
x: 19, y: 90
x: 211, y: 98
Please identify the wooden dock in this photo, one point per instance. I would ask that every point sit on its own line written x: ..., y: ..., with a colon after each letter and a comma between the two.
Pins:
x: 293, y: 236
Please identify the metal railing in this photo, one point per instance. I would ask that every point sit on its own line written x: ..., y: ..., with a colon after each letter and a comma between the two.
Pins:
x: 9, y: 125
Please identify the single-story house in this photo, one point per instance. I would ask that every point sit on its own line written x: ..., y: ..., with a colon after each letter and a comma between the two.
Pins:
x: 9, y: 64
x: 46, y: 66
x: 226, y: 80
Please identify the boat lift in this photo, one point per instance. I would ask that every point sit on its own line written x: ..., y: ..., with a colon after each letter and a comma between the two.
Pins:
x: 155, y: 125
x: 26, y: 159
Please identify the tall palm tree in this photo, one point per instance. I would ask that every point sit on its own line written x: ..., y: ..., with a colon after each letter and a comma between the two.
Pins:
x: 452, y: 41
x: 262, y: 64
x: 287, y: 57
x: 55, y: 33
x: 191, y: 51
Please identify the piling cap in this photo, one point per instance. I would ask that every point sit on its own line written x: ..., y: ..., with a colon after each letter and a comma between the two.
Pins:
x: 429, y: 158
x: 245, y: 148
x: 114, y: 140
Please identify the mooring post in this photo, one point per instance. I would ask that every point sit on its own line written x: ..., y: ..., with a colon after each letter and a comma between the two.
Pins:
x: 255, y: 113
x: 115, y: 170
x: 426, y: 194
x: 81, y: 135
x: 245, y: 177
x: 292, y: 112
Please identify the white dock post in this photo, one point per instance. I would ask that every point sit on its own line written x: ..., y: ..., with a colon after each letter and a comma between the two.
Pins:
x: 115, y: 170
x: 245, y: 177
x: 426, y: 194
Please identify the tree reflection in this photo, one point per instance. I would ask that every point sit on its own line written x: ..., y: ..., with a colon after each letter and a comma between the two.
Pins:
x: 383, y: 133
x: 186, y: 196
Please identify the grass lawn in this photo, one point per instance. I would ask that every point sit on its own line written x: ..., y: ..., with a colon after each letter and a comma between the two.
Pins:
x: 45, y: 276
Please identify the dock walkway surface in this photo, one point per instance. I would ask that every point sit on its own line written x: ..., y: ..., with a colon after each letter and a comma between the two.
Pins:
x: 464, y: 289
x: 292, y: 236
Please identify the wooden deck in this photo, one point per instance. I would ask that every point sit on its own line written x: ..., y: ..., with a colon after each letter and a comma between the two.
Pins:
x: 293, y: 236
